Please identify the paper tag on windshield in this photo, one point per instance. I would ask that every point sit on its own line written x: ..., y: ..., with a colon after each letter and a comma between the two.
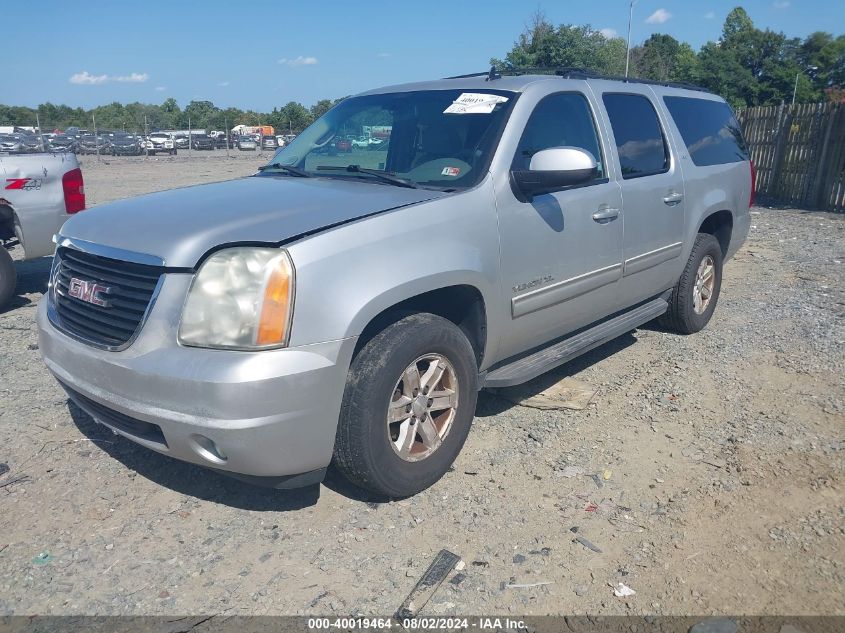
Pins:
x: 474, y: 103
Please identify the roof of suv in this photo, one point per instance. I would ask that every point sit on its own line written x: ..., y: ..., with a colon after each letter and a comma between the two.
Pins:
x: 519, y: 82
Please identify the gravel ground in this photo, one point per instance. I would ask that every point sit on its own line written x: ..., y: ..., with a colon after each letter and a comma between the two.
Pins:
x: 724, y: 490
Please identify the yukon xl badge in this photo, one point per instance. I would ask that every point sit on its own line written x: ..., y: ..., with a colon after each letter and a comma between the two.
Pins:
x: 540, y: 281
x: 88, y: 291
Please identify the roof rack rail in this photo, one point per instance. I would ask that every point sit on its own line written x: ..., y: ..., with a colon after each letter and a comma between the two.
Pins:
x: 571, y: 72
x: 491, y: 74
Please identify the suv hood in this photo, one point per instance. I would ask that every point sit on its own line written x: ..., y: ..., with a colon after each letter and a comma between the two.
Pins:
x: 181, y: 225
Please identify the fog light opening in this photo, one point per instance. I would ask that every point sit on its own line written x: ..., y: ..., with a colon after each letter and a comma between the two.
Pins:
x: 208, y: 449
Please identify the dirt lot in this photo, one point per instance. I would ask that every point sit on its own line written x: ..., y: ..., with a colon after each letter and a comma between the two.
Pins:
x: 724, y: 490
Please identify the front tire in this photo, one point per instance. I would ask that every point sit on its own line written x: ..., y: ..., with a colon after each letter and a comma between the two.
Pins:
x: 407, y: 407
x: 8, y: 276
x: 694, y: 297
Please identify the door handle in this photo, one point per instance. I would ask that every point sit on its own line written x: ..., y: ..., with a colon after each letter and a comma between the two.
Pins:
x: 605, y: 214
x: 673, y: 198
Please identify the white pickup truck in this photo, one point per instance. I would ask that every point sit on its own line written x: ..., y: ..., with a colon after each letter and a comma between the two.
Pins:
x: 38, y: 192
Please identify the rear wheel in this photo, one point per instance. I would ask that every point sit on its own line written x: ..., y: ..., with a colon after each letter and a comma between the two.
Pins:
x: 695, y: 295
x: 408, y: 405
x: 8, y: 276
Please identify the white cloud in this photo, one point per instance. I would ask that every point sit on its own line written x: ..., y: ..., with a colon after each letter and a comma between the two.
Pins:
x: 134, y: 78
x: 658, y: 17
x: 223, y: 84
x: 709, y: 15
x: 383, y: 55
x: 161, y: 88
x: 609, y: 33
x: 299, y: 61
x: 87, y: 79
x: 781, y: 4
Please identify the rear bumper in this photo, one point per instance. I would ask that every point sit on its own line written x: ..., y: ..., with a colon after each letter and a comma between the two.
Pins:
x: 270, y: 414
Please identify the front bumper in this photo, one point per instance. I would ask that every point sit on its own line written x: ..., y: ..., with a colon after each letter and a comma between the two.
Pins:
x: 269, y: 414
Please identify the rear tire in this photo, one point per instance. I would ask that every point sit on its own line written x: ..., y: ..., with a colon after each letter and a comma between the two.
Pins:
x: 8, y: 276
x: 694, y: 297
x: 368, y: 449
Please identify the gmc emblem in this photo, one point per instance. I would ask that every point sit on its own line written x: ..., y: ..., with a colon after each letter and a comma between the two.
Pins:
x: 88, y: 291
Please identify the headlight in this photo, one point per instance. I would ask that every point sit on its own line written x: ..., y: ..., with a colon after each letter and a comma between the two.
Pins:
x: 241, y: 298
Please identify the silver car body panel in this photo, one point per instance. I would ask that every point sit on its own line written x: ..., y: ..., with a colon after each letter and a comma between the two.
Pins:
x: 543, y: 270
x: 39, y: 206
x: 258, y: 210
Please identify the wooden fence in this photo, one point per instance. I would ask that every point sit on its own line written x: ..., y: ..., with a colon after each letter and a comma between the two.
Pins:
x: 799, y: 153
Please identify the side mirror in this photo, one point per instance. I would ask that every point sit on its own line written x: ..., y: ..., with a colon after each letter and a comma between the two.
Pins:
x: 553, y: 169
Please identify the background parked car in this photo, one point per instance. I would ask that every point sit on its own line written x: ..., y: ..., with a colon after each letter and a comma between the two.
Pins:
x: 62, y: 143
x: 247, y: 143
x: 90, y: 144
x: 180, y: 141
x: 11, y: 143
x: 160, y: 142
x: 269, y: 142
x: 343, y: 145
x: 202, y: 141
x: 126, y: 145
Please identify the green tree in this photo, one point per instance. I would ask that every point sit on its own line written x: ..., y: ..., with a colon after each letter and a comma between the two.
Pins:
x: 544, y: 45
x: 293, y: 116
x: 321, y: 107
x: 663, y: 58
x: 198, y: 114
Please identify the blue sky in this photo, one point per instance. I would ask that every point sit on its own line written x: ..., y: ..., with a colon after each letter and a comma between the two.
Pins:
x: 260, y: 54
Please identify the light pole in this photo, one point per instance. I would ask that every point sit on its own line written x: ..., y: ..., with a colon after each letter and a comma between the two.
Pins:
x: 628, y: 45
x: 798, y: 74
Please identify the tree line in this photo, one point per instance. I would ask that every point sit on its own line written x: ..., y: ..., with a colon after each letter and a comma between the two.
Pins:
x: 139, y: 117
x: 748, y: 66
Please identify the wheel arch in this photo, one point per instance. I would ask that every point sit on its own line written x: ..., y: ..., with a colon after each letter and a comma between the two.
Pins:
x: 8, y: 221
x: 462, y: 304
x: 720, y: 225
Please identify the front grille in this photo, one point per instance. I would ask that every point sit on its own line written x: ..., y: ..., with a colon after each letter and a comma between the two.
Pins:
x: 120, y: 421
x: 126, y: 288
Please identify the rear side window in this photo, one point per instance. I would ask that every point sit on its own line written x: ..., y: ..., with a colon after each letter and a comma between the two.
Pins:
x: 709, y: 129
x: 639, y: 137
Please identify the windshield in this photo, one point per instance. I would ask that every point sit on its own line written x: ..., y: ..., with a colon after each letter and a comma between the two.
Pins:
x: 433, y: 138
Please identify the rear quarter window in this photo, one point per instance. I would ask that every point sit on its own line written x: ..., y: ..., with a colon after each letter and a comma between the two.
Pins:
x: 709, y: 129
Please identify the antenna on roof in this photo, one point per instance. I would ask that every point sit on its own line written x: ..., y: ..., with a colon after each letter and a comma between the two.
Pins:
x: 493, y: 74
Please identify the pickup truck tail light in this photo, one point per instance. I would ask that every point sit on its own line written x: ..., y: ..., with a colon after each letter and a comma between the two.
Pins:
x: 74, y: 189
x: 753, y: 184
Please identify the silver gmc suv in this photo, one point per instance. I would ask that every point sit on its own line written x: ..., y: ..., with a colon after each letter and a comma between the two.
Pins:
x: 344, y: 305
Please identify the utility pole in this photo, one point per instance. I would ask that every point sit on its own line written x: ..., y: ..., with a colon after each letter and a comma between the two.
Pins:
x: 96, y: 137
x: 190, y: 140
x: 226, y: 134
x: 628, y: 46
x: 798, y: 74
x: 40, y: 135
x: 146, y: 134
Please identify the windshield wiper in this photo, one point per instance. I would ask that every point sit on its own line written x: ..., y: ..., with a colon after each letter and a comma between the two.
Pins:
x: 381, y: 175
x: 296, y: 171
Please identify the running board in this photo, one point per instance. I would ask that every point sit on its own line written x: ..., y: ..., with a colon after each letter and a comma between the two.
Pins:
x: 540, y: 362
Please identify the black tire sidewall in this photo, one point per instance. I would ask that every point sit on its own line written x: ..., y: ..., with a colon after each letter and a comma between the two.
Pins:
x: 373, y: 376
x: 705, y: 244
x: 8, y: 276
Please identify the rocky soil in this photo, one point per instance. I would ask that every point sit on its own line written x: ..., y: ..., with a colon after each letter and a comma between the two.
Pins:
x: 706, y: 474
